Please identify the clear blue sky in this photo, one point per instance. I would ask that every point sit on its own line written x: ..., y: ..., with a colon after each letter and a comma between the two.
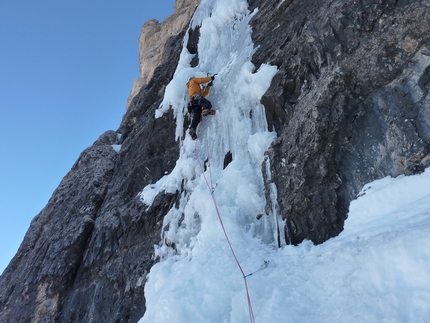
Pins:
x: 66, y: 70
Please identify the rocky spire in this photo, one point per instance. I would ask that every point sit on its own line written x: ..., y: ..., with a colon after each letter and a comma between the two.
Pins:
x: 153, y: 39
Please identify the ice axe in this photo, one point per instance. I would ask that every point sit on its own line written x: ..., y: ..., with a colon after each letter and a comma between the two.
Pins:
x: 213, y: 77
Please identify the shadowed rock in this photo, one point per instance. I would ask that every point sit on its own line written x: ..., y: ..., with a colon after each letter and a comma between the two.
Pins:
x: 350, y: 104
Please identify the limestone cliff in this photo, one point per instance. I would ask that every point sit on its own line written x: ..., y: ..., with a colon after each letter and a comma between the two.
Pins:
x: 350, y: 104
x: 86, y: 255
x: 154, y: 38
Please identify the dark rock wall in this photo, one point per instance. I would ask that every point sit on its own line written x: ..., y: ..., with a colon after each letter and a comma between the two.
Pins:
x: 112, y: 274
x: 85, y: 257
x: 33, y: 285
x: 350, y: 103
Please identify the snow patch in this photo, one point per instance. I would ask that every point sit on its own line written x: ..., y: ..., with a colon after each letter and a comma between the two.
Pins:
x: 117, y: 148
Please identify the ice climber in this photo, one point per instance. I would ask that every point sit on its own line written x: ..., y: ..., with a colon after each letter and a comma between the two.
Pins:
x: 199, y: 106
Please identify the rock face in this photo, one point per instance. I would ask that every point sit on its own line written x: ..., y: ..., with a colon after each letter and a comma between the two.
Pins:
x: 154, y: 38
x: 350, y: 104
x: 35, y: 282
x: 86, y: 255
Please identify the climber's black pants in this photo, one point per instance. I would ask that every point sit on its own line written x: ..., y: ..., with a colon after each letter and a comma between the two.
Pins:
x: 204, y: 103
x: 197, y: 115
x: 199, y: 104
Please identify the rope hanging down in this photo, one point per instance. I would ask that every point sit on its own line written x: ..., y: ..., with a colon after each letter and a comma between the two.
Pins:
x: 212, y: 191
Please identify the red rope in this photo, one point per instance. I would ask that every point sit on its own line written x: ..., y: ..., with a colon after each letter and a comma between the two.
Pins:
x: 251, y: 312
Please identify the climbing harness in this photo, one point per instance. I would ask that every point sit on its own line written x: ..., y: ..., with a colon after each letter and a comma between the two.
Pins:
x: 264, y: 265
